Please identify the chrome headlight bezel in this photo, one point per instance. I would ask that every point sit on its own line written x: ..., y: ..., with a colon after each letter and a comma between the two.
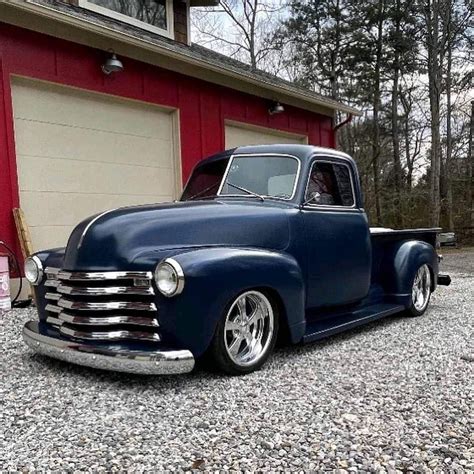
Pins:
x: 38, y: 268
x: 175, y: 269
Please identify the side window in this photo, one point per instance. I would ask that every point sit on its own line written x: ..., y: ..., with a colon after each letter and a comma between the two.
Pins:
x: 330, y: 185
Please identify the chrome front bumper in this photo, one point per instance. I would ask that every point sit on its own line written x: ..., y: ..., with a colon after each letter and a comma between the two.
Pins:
x: 137, y: 362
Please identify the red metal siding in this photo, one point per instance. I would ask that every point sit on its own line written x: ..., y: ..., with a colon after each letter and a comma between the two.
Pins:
x: 203, y: 106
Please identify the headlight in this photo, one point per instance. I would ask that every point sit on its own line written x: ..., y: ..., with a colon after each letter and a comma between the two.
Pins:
x: 169, y: 277
x: 33, y: 270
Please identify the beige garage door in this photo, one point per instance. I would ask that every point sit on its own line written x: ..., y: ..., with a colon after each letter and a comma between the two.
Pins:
x: 241, y: 134
x: 80, y: 153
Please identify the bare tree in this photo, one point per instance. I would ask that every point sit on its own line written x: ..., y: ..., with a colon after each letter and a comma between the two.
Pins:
x: 414, y: 130
x: 470, y: 168
x: 431, y: 12
x: 239, y: 28
x: 394, y: 112
x: 454, y: 21
x: 376, y: 105
x: 448, y: 38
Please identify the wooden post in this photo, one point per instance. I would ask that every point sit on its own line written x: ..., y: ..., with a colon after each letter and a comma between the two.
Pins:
x: 23, y: 231
x: 24, y: 237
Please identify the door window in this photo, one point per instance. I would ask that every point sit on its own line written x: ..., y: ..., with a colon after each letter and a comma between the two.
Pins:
x: 330, y: 184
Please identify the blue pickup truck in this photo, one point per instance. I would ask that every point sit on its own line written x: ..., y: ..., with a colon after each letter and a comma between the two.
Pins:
x: 267, y: 242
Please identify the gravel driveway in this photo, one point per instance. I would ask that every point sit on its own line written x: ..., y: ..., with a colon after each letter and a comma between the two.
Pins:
x: 394, y: 395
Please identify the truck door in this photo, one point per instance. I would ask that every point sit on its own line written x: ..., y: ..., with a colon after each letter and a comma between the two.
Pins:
x: 337, y: 236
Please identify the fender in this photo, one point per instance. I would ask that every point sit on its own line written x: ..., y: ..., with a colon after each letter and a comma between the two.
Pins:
x: 400, y: 265
x: 214, y: 276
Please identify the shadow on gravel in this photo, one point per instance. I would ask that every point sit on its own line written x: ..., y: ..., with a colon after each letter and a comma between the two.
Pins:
x: 201, y: 374
x: 118, y: 378
x: 341, y: 337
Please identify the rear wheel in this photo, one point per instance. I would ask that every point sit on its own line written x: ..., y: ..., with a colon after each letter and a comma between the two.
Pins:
x: 421, y: 291
x: 246, y: 334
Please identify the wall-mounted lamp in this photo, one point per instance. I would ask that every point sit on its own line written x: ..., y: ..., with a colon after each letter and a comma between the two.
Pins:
x: 112, y: 64
x: 276, y: 108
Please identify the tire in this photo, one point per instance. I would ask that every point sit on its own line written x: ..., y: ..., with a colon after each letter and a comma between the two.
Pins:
x: 421, y: 291
x: 246, y: 334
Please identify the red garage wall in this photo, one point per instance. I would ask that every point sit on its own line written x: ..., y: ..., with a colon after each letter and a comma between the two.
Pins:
x: 203, y: 106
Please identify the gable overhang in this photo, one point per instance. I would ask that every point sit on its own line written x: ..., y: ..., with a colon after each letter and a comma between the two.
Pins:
x: 203, y: 3
x: 46, y: 19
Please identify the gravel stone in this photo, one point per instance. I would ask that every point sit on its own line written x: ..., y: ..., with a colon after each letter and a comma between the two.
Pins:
x: 394, y: 396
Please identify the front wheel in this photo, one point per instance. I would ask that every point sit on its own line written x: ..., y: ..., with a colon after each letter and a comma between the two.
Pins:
x: 421, y: 291
x: 246, y: 334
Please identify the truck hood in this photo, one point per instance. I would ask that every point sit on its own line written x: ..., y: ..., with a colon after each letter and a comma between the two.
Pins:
x: 117, y: 239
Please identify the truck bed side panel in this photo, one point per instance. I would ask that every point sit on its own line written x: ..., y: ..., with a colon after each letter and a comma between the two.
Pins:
x: 398, y: 251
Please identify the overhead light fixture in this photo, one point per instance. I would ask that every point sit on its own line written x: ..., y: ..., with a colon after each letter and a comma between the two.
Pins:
x: 112, y: 64
x: 276, y: 108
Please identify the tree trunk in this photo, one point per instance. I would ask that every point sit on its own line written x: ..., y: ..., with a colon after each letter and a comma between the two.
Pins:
x: 409, y: 161
x: 406, y: 129
x: 336, y: 55
x: 252, y: 18
x: 376, y: 110
x: 470, y: 168
x: 395, y: 131
x: 449, y: 140
x: 434, y: 86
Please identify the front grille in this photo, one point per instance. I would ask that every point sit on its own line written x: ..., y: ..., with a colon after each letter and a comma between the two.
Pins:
x: 102, y: 306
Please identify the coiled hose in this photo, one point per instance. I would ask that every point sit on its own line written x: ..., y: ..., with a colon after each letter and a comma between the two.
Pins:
x: 15, y: 267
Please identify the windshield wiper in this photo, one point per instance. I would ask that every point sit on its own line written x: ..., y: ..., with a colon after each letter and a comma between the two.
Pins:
x: 204, y: 191
x: 245, y: 190
x: 200, y: 193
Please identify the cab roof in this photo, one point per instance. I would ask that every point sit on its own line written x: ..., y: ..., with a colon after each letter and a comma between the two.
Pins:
x: 303, y: 152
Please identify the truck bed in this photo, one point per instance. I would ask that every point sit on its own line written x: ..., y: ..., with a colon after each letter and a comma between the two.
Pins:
x: 385, y: 240
x: 384, y: 234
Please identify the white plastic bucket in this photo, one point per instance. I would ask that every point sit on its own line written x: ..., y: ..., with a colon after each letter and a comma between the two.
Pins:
x: 5, y: 301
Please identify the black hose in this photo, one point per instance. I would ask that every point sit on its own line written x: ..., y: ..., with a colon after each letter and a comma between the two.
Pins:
x: 15, y: 267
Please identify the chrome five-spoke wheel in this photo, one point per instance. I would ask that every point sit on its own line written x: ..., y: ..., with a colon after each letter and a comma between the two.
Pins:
x: 421, y: 290
x: 249, y: 328
x: 247, y: 334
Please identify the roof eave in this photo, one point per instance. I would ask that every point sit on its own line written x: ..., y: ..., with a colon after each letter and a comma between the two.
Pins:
x: 203, y: 3
x: 48, y: 20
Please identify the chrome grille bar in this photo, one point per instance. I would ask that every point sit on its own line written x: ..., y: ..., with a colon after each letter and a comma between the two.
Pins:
x: 110, y: 320
x: 54, y: 321
x: 51, y: 273
x: 115, y: 335
x: 116, y: 319
x: 97, y: 276
x: 103, y: 291
x: 105, y: 306
x: 52, y: 296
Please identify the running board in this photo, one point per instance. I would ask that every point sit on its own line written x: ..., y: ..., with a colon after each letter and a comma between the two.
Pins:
x: 342, y: 322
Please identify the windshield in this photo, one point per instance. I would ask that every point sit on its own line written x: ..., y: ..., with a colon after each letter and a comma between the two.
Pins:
x: 252, y: 175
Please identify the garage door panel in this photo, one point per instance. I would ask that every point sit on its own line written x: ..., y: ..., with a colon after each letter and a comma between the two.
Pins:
x: 48, y: 237
x: 47, y: 174
x: 81, y: 153
x: 236, y: 136
x: 58, y: 105
x: 59, y: 141
x: 63, y: 209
